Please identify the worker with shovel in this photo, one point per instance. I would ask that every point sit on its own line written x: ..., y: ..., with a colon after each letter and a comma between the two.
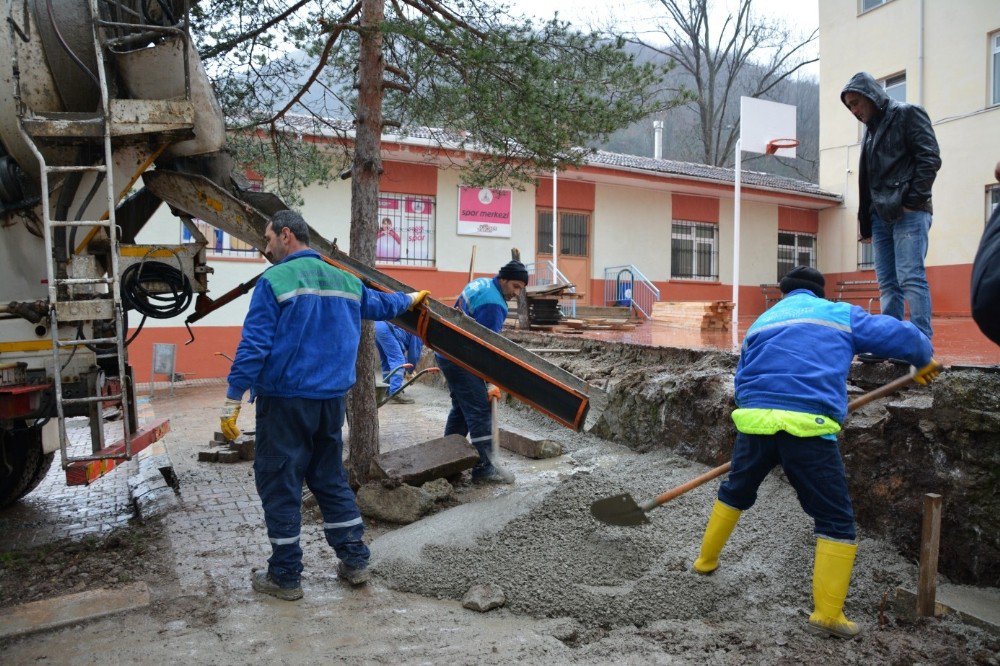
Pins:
x: 396, y: 348
x: 485, y: 300
x: 792, y: 399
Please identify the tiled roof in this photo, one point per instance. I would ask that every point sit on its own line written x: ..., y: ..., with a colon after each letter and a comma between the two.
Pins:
x: 602, y: 158
x: 708, y: 172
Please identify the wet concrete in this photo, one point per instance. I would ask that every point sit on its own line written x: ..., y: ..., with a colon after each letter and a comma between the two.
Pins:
x: 614, y: 596
x: 943, y: 439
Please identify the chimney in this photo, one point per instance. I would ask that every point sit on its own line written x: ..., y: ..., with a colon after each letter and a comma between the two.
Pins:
x: 658, y: 139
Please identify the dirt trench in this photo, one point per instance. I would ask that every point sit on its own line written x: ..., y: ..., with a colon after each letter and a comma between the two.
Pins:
x: 941, y: 439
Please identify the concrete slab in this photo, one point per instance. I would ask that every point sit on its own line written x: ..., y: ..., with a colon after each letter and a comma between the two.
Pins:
x: 71, y: 609
x: 460, y: 525
x: 433, y: 459
x: 976, y: 606
x: 529, y: 444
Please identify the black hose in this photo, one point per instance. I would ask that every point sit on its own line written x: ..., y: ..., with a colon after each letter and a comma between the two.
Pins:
x: 136, y: 282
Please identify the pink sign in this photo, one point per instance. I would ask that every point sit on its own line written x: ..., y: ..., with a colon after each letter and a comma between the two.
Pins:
x: 416, y: 206
x: 484, y: 212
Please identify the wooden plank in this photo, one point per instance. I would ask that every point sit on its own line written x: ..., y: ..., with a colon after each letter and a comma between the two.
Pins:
x: 930, y: 539
x: 434, y: 459
x: 71, y: 609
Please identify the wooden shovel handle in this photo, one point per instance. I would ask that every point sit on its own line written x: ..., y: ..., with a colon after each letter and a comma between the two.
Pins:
x: 665, y: 497
x: 668, y: 495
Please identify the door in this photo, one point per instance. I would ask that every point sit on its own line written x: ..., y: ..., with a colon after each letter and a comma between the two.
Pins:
x: 574, y: 247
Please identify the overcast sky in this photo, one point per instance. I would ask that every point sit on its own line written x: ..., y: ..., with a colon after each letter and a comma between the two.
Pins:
x: 801, y: 16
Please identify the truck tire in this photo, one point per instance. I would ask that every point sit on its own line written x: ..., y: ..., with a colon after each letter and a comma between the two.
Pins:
x: 23, y: 465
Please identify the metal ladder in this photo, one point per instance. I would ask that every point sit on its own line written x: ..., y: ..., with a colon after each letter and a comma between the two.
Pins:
x: 62, y: 310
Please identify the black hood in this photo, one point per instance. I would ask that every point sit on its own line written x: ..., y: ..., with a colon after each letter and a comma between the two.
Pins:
x: 864, y: 84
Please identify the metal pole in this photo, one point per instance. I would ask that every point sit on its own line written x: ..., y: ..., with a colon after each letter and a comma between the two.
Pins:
x: 555, y: 225
x: 736, y: 248
x: 930, y: 538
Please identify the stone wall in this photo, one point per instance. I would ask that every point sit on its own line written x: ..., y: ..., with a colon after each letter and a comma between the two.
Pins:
x: 943, y: 439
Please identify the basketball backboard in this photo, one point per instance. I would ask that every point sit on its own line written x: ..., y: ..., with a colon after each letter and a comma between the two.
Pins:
x: 762, y: 121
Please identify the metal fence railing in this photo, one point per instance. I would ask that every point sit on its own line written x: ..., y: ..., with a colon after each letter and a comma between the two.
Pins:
x: 627, y: 286
x: 544, y: 272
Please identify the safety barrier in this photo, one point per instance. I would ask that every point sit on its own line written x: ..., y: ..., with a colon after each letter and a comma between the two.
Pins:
x: 626, y: 286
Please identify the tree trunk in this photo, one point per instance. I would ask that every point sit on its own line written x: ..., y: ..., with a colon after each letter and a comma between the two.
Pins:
x: 365, y: 170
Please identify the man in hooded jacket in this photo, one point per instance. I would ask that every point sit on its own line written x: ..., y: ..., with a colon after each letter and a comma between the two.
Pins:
x: 898, y: 164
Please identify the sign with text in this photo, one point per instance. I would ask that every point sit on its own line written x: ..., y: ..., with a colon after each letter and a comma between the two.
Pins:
x: 483, y: 212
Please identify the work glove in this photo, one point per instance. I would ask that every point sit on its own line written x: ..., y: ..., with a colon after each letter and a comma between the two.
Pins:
x: 493, y: 392
x: 227, y: 424
x: 927, y: 373
x: 417, y: 297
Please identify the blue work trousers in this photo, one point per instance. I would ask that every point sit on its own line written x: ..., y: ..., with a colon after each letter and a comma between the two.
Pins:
x: 900, y: 249
x: 391, y: 354
x: 470, y: 412
x: 814, y: 468
x: 299, y: 439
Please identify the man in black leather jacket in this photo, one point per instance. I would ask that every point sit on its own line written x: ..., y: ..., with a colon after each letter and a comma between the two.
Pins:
x: 899, y: 160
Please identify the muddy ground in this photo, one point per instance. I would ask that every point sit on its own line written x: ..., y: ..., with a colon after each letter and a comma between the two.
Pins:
x: 577, y: 591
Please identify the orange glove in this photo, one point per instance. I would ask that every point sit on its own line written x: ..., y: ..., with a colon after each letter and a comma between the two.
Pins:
x: 926, y: 374
x: 493, y: 392
x: 417, y: 297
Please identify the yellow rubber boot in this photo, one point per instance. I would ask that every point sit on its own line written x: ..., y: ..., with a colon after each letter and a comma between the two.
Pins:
x: 720, y: 526
x: 831, y: 578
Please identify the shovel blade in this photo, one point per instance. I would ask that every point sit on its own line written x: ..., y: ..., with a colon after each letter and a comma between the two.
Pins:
x: 619, y: 510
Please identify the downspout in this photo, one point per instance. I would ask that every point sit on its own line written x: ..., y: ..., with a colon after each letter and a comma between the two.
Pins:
x: 920, y: 54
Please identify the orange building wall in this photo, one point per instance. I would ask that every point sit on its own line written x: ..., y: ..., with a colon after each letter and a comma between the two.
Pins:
x: 407, y: 178
x: 572, y: 194
x: 798, y: 219
x: 694, y: 209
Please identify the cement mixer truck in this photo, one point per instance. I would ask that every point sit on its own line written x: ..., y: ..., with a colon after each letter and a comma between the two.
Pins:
x: 92, y: 94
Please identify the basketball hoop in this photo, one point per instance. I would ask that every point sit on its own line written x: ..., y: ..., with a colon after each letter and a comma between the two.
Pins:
x: 774, y: 145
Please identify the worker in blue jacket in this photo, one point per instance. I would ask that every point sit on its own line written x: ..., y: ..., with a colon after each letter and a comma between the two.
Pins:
x: 395, y: 348
x: 791, y: 394
x: 296, y: 357
x: 485, y: 300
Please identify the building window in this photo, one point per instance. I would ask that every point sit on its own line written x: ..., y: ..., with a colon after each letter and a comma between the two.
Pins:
x: 995, y: 67
x: 574, y: 233
x: 694, y: 251
x: 895, y: 86
x: 992, y: 200
x: 868, y: 5
x: 866, y: 255
x: 405, y: 233
x: 220, y: 243
x: 795, y: 250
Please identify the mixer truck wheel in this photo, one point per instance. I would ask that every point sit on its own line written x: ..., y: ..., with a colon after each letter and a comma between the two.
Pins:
x: 23, y: 465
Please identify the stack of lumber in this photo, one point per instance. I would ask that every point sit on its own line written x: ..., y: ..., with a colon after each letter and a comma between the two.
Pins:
x: 543, y: 302
x: 704, y: 315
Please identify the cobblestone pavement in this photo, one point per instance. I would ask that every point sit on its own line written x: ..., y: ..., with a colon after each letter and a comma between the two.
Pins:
x: 55, y: 511
x: 218, y: 531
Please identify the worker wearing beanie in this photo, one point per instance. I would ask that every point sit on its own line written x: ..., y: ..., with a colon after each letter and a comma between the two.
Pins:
x: 485, y: 300
x: 791, y: 394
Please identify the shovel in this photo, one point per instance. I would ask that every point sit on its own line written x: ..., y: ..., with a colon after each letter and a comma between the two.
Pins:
x: 495, y: 451
x: 623, y: 510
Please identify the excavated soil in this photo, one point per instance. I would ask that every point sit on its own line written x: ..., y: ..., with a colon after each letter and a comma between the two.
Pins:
x: 577, y: 591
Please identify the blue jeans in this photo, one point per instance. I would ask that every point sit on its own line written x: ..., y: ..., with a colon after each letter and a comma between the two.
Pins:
x: 814, y: 468
x: 900, y: 249
x: 299, y: 439
x: 470, y: 412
